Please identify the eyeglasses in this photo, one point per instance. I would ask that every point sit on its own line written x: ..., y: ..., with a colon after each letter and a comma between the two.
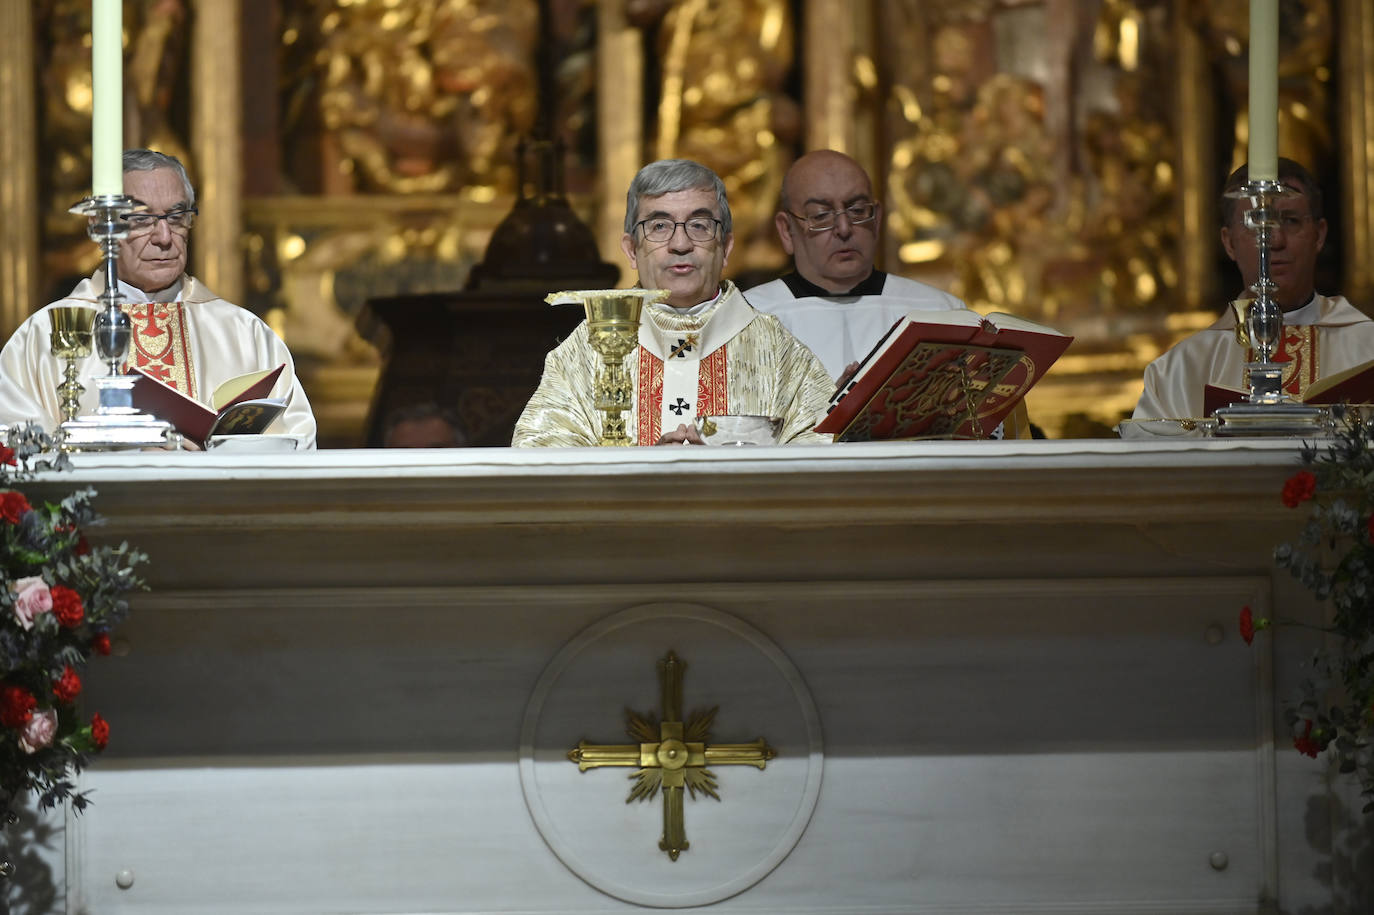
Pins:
x: 698, y: 228
x: 1292, y: 223
x: 1287, y: 222
x: 179, y: 220
x: 823, y: 220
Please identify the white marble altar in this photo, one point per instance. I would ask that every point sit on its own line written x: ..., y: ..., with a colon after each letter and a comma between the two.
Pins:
x: 1021, y: 656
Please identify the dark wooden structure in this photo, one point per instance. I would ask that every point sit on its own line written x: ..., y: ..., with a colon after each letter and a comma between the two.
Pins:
x: 480, y: 353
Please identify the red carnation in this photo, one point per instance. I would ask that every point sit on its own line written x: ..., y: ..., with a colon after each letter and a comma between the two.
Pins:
x: 68, y: 686
x: 1299, y: 488
x: 7, y: 455
x: 101, y: 643
x: 1305, y: 744
x: 100, y: 731
x: 80, y: 547
x: 1247, y: 625
x: 66, y: 606
x: 16, y: 706
x: 13, y: 506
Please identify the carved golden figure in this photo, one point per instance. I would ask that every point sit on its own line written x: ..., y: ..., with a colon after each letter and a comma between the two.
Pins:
x: 671, y: 755
x: 721, y: 102
x: 418, y: 97
x: 155, y: 52
x: 982, y: 187
x: 1306, y: 68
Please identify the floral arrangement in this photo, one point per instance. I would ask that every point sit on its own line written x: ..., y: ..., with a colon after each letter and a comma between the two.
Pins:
x: 1334, y: 559
x: 59, y: 601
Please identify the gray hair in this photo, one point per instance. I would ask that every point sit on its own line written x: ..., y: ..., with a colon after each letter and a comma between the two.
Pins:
x: 667, y: 176
x: 147, y: 160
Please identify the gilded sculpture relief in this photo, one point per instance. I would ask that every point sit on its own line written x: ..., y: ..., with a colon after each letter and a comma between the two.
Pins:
x: 155, y: 51
x: 420, y: 97
x: 1018, y: 192
x: 721, y: 99
x: 1029, y: 151
x: 418, y: 105
x: 1306, y: 60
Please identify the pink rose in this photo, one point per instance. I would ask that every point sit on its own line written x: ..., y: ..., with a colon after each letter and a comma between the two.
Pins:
x: 31, y: 597
x: 39, y: 732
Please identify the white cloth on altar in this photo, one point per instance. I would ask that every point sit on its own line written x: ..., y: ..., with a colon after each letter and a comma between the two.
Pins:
x: 767, y: 372
x: 842, y: 329
x: 224, y: 341
x: 1174, y: 383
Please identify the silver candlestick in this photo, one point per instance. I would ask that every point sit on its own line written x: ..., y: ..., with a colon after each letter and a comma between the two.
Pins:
x: 116, y: 423
x: 1266, y: 409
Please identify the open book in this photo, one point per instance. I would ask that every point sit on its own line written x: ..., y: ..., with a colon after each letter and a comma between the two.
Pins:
x: 241, y: 407
x: 1354, y: 385
x: 943, y: 374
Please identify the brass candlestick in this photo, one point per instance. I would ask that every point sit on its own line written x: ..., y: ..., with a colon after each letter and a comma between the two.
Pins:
x: 71, y: 339
x: 613, y: 330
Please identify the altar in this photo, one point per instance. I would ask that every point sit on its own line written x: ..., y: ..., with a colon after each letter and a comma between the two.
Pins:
x: 994, y: 677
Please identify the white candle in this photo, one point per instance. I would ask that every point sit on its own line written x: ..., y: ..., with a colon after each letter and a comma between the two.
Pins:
x: 1264, y: 90
x: 107, y: 103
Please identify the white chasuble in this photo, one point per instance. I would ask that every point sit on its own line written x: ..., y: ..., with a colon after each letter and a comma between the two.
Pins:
x: 194, y: 343
x: 1326, y: 336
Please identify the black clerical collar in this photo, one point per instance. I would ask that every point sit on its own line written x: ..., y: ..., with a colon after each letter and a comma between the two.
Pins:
x: 802, y: 288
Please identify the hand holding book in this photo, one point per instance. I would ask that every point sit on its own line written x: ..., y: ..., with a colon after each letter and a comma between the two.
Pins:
x: 953, y: 374
x: 241, y: 406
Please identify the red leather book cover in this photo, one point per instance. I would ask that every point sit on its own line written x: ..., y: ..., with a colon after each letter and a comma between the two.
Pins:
x: 946, y: 375
x: 191, y: 417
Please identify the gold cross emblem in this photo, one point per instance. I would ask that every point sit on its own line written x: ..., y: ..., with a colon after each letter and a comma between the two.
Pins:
x: 671, y: 755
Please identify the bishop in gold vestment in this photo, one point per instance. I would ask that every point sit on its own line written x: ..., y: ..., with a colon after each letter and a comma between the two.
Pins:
x: 705, y: 352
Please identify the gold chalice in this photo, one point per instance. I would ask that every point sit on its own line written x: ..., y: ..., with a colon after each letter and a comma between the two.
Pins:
x: 613, y: 330
x: 71, y: 339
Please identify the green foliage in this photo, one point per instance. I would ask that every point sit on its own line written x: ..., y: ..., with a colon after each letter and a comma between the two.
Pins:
x: 1334, y: 559
x: 44, y: 553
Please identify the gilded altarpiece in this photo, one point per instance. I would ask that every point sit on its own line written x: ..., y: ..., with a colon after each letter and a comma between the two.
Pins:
x: 1052, y: 158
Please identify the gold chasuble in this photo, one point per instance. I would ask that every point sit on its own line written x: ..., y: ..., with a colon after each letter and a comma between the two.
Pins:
x: 729, y: 358
x: 158, y: 346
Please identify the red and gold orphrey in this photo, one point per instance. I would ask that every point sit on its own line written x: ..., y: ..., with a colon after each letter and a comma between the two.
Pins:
x: 712, y: 392
x: 159, y: 344
x: 1298, y: 353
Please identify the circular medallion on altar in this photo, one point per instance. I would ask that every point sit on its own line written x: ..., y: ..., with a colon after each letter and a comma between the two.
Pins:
x: 671, y: 755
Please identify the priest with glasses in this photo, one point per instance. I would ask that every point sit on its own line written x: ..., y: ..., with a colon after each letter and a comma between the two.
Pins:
x: 835, y: 300
x: 183, y: 334
x: 704, y: 351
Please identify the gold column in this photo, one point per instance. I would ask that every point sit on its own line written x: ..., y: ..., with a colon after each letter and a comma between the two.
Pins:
x: 216, y: 143
x: 18, y: 187
x: 1357, y: 145
x: 1196, y: 150
x: 620, y: 123
x: 828, y: 55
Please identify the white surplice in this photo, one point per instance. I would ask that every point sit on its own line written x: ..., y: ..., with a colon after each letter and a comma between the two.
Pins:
x: 842, y: 329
